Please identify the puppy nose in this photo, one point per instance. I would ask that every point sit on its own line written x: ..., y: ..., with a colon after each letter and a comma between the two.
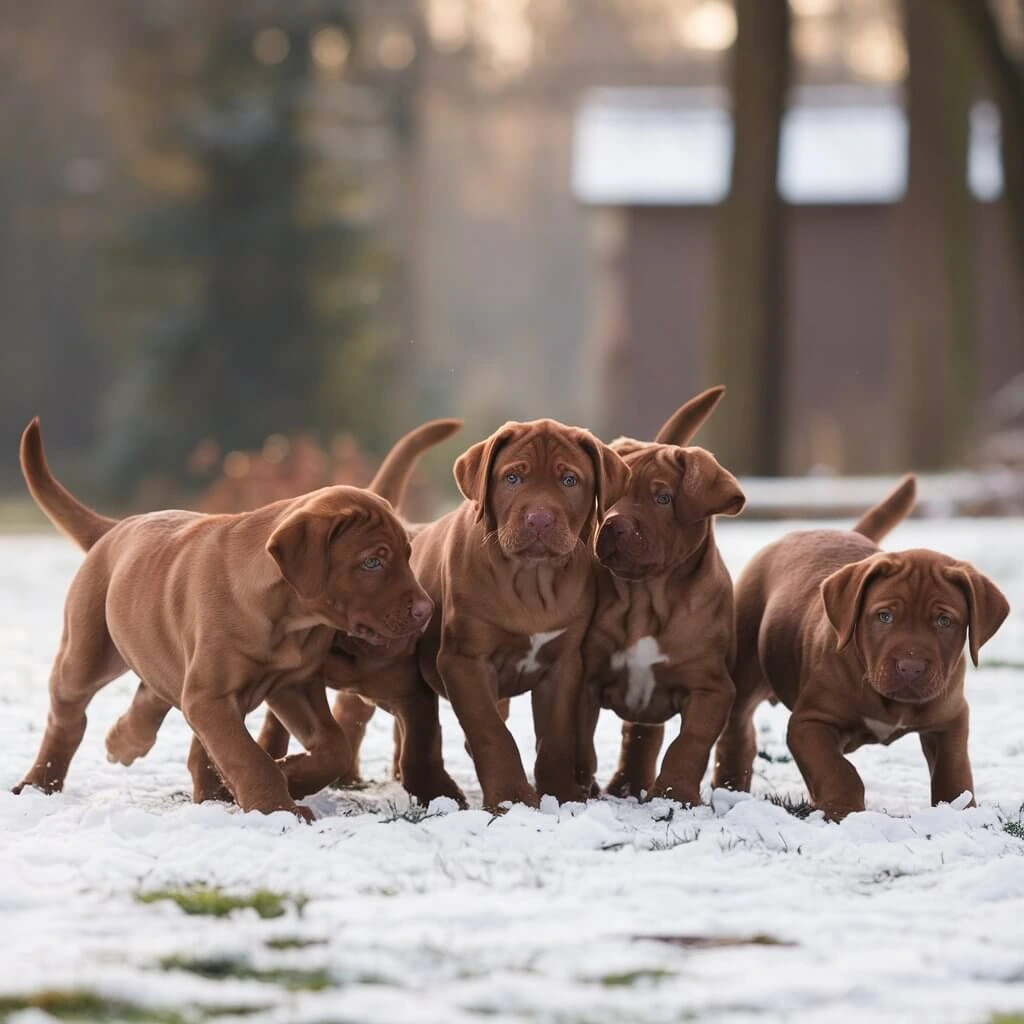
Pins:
x: 908, y: 669
x: 622, y: 526
x: 539, y: 519
x: 420, y: 610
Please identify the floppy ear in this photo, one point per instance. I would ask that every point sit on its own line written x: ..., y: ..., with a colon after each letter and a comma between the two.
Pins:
x: 986, y: 605
x: 473, y: 472
x: 301, y: 547
x: 709, y: 489
x: 843, y: 594
x: 680, y: 427
x: 610, y: 472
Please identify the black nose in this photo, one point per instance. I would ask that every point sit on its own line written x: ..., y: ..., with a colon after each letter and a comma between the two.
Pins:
x: 909, y: 669
x: 539, y: 519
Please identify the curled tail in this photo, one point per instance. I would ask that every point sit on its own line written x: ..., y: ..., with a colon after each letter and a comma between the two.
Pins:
x: 66, y: 512
x: 391, y: 479
x: 890, y: 511
x: 680, y: 427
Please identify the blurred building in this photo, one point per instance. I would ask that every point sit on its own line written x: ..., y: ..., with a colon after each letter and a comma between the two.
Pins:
x: 652, y: 165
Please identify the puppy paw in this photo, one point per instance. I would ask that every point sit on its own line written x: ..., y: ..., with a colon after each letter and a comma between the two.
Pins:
x: 622, y: 786
x: 521, y: 794
x: 688, y: 796
x: 125, y: 745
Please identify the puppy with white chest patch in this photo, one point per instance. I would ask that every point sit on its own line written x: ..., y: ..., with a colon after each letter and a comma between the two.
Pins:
x: 863, y: 646
x: 512, y: 576
x: 662, y: 639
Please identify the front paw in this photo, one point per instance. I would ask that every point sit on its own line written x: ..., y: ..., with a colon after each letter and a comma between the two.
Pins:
x: 518, y: 793
x: 681, y: 793
x: 836, y: 810
x: 429, y: 787
x: 621, y: 785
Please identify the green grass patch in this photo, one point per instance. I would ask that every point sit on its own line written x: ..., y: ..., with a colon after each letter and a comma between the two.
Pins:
x: 1015, y: 829
x: 293, y: 942
x: 1008, y: 1018
x: 643, y: 976
x: 774, y: 758
x: 86, y: 1006
x: 714, y: 941
x: 206, y: 901
x: 294, y: 979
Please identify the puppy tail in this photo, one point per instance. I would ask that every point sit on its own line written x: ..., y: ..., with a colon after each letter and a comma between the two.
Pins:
x: 680, y: 427
x: 393, y: 475
x: 881, y: 518
x: 66, y: 512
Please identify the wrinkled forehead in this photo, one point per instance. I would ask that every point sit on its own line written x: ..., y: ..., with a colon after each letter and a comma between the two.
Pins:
x: 918, y: 580
x: 373, y: 522
x: 544, y: 446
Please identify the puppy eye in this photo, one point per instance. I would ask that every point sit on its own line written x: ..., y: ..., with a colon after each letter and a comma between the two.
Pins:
x: 569, y: 480
x: 886, y: 616
x: 373, y: 562
x: 512, y: 478
x: 663, y: 499
x: 943, y: 620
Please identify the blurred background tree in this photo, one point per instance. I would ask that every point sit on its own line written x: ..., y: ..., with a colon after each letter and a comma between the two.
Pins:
x: 239, y: 299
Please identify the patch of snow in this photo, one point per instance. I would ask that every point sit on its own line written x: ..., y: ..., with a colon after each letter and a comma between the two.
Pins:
x: 903, y: 913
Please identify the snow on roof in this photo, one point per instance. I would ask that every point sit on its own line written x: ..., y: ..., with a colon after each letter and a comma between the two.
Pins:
x: 674, y: 146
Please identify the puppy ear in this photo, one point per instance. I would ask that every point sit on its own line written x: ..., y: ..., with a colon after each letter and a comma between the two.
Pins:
x: 610, y: 472
x: 626, y: 446
x: 709, y: 489
x: 473, y: 472
x: 843, y: 594
x: 680, y: 427
x: 986, y: 605
x: 301, y: 547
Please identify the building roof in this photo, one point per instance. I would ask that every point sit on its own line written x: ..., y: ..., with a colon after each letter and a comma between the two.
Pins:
x: 674, y: 147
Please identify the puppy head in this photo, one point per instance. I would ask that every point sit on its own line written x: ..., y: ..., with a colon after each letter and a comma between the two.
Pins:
x: 540, y: 487
x: 346, y: 555
x: 911, y: 613
x: 663, y: 517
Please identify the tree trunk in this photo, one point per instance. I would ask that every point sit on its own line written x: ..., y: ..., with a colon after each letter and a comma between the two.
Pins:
x: 748, y: 350
x: 1006, y: 80
x: 935, y: 376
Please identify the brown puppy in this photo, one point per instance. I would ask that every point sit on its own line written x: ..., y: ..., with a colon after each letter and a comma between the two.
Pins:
x: 511, y: 575
x: 368, y: 675
x: 662, y: 639
x: 862, y: 646
x: 217, y: 613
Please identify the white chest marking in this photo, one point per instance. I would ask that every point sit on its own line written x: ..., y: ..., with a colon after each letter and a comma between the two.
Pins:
x: 639, y: 661
x: 529, y: 662
x: 882, y: 730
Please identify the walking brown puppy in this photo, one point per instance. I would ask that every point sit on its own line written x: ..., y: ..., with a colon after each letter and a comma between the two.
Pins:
x: 662, y: 639
x: 217, y: 613
x: 863, y: 646
x: 387, y: 675
x: 512, y: 577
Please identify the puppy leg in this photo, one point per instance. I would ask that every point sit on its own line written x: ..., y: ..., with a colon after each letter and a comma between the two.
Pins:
x: 586, y: 751
x: 504, y: 706
x: 421, y: 767
x: 556, y: 724
x: 638, y: 760
x: 737, y: 746
x: 472, y: 686
x: 132, y: 736
x: 686, y: 759
x: 274, y: 737
x: 206, y: 781
x: 307, y: 715
x: 833, y: 782
x: 948, y: 763
x: 254, y: 778
x: 353, y: 714
x: 86, y: 661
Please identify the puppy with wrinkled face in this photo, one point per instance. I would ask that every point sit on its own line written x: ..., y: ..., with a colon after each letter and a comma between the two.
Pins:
x: 662, y: 638
x: 511, y: 574
x: 863, y: 646
x: 217, y: 613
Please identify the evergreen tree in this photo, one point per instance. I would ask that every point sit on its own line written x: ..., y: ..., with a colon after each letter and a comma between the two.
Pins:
x: 240, y: 300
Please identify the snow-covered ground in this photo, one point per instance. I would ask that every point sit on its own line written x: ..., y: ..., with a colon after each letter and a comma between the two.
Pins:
x: 573, y: 914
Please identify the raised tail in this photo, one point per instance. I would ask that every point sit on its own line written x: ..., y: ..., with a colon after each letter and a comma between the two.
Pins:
x: 890, y: 511
x: 394, y: 472
x: 680, y: 427
x: 66, y: 512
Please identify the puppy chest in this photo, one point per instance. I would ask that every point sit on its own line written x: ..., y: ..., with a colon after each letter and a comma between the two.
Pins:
x: 523, y: 662
x: 632, y: 682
